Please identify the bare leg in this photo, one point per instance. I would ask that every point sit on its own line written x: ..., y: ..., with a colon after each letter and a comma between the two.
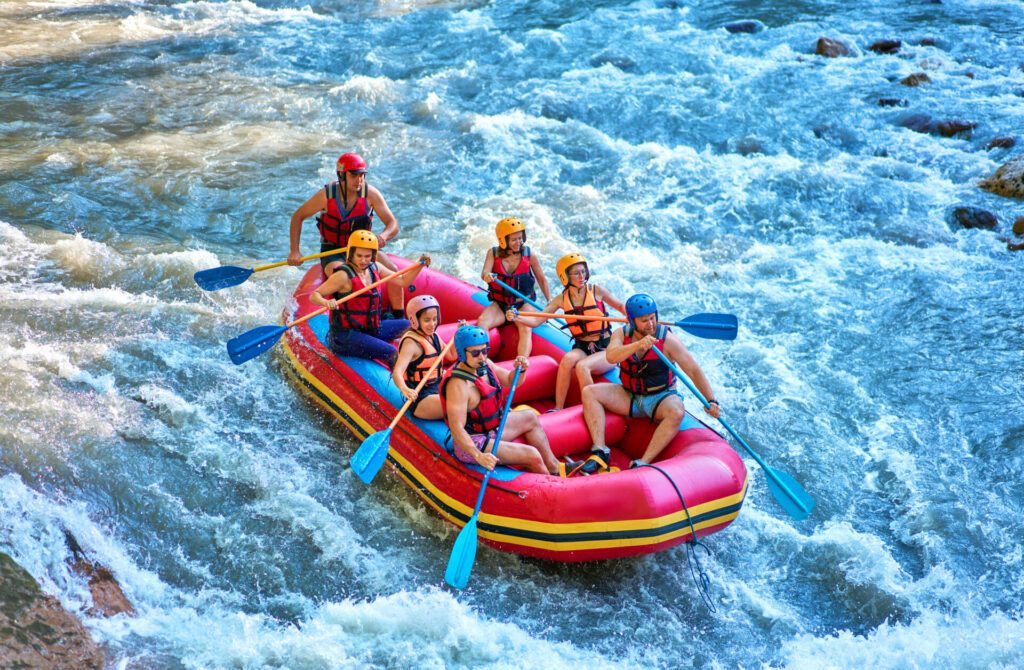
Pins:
x: 491, y: 317
x: 429, y: 408
x: 524, y: 423
x: 669, y: 415
x: 525, y: 339
x: 396, y: 298
x: 564, y: 378
x: 594, y: 364
x: 597, y: 398
x: 514, y: 453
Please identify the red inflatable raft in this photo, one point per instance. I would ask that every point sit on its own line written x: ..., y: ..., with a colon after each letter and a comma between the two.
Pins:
x: 602, y: 516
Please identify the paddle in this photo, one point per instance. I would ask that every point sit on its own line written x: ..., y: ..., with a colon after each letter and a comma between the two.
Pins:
x: 215, y: 279
x: 709, y: 326
x: 252, y: 343
x: 370, y: 455
x: 786, y: 490
x: 532, y: 303
x: 460, y: 563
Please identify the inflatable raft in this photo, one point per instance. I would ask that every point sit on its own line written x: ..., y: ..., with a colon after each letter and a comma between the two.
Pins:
x: 698, y: 486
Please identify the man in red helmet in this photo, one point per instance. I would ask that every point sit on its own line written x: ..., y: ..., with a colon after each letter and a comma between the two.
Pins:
x: 343, y: 207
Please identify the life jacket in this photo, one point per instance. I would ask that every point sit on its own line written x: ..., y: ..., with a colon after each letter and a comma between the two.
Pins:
x: 521, y: 279
x: 591, y: 307
x: 487, y: 415
x: 336, y: 226
x: 418, y: 367
x: 649, y: 374
x: 362, y: 312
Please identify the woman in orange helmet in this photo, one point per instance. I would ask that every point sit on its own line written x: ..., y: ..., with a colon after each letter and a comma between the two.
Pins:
x: 514, y: 264
x: 589, y: 338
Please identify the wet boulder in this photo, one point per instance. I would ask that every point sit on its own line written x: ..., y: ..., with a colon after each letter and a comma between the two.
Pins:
x: 830, y: 48
x: 928, y: 42
x: 892, y: 102
x: 919, y: 123
x: 744, y: 27
x: 886, y: 46
x: 1008, y: 180
x: 1018, y: 226
x: 107, y: 597
x: 974, y: 217
x: 954, y: 127
x: 1001, y: 142
x: 35, y: 629
x: 916, y: 79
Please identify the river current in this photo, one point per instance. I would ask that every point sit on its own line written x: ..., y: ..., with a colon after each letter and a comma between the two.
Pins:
x: 878, y: 362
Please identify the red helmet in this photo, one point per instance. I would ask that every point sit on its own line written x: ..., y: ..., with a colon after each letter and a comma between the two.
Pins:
x: 351, y: 163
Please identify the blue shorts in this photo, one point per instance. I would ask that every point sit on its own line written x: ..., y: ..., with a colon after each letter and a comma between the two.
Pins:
x: 647, y: 405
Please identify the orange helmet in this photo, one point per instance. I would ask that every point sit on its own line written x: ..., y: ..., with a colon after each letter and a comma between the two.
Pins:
x: 566, y: 262
x: 362, y: 239
x: 506, y: 227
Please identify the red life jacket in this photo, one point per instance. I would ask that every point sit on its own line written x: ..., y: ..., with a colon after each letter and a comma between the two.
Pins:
x: 486, y: 416
x: 521, y: 279
x: 591, y: 307
x: 334, y: 225
x: 418, y: 367
x: 362, y: 312
x: 649, y: 374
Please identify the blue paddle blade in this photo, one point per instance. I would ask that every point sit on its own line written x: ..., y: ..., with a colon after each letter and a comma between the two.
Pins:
x: 370, y: 455
x: 711, y: 326
x: 253, y: 343
x: 788, y: 492
x: 215, y: 279
x: 460, y: 563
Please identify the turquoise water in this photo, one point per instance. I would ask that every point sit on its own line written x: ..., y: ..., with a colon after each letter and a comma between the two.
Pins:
x: 878, y: 360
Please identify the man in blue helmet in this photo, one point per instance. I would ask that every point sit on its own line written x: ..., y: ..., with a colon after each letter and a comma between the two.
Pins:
x: 472, y: 398
x: 648, y: 385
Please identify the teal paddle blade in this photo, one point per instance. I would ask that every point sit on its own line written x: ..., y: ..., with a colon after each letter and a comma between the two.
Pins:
x: 789, y: 494
x: 711, y: 326
x: 251, y: 344
x: 370, y: 455
x: 215, y: 279
x: 460, y: 563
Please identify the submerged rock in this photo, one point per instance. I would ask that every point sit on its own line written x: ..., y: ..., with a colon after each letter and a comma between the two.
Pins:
x: 1018, y: 226
x: 107, y: 597
x: 974, y: 217
x: 916, y: 79
x: 830, y: 48
x: 886, y: 46
x: 1008, y: 180
x: 892, y: 102
x: 744, y: 27
x: 35, y: 629
x: 954, y: 127
x: 1001, y: 142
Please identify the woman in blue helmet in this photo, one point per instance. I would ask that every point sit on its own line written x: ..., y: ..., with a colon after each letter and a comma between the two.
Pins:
x: 648, y: 385
x: 472, y: 397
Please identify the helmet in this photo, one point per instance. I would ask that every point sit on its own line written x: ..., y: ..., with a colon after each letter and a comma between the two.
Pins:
x: 639, y: 305
x: 506, y: 227
x: 468, y: 336
x: 362, y: 239
x: 351, y: 163
x: 417, y: 305
x: 566, y: 262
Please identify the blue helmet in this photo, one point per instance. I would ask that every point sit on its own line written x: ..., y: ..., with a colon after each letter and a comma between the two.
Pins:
x: 639, y: 305
x: 468, y: 336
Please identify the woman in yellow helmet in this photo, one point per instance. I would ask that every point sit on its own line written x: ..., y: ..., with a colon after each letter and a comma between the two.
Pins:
x: 513, y: 263
x: 589, y: 338
x: 357, y: 326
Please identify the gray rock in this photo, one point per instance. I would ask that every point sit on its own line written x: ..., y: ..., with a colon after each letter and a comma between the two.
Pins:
x: 973, y: 217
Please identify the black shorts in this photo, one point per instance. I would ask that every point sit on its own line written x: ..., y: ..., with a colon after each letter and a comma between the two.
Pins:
x: 592, y: 347
x: 326, y: 260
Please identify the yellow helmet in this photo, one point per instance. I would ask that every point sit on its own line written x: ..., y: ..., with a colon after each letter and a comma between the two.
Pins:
x: 506, y: 227
x: 566, y: 262
x: 362, y: 239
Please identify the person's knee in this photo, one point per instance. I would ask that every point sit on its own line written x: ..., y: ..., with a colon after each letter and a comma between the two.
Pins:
x: 534, y: 460
x: 675, y: 412
x: 583, y: 374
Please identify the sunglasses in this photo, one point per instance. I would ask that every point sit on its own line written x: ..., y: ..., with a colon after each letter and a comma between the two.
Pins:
x: 482, y: 351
